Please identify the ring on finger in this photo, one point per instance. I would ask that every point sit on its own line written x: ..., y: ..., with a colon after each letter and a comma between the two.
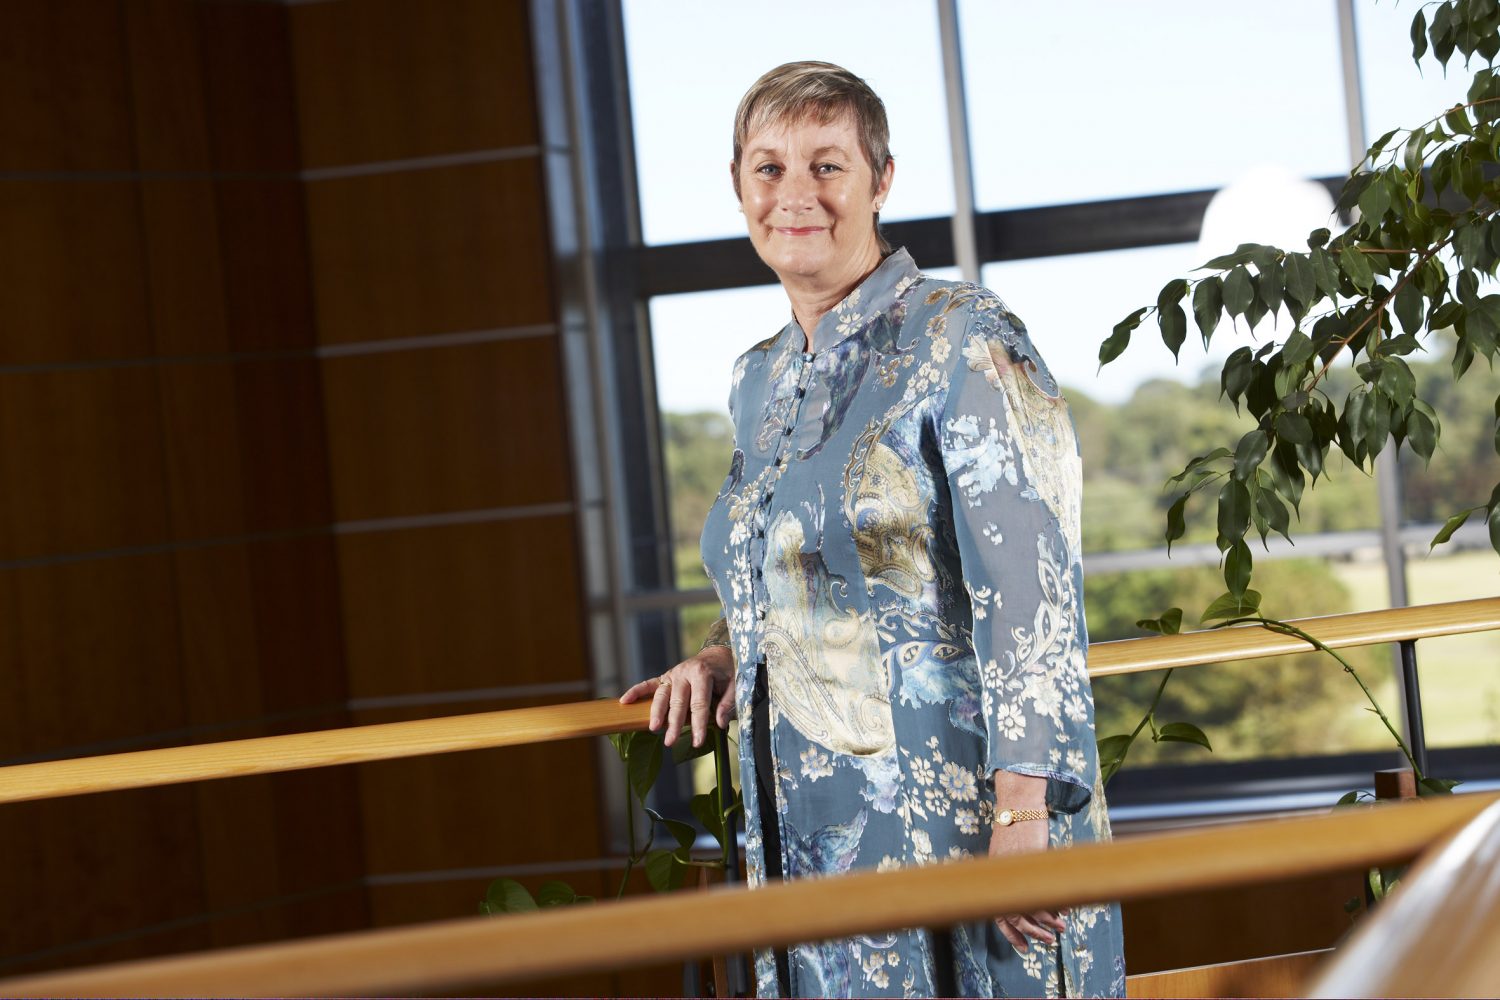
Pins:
x: 665, y: 680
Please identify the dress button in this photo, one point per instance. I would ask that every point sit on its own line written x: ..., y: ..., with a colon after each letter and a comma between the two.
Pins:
x: 787, y: 432
x: 760, y: 613
x: 801, y: 392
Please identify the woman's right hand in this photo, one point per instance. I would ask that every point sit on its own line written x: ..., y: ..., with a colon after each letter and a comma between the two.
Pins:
x: 694, y: 687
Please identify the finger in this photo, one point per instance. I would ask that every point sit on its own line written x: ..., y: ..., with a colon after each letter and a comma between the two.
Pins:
x: 726, y: 706
x: 659, y: 705
x: 1025, y: 925
x: 1012, y: 935
x: 676, y: 708
x: 702, y: 697
x: 1049, y: 919
x: 637, y: 691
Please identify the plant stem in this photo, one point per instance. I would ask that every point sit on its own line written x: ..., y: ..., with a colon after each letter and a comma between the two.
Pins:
x: 630, y: 828
x: 1151, y: 712
x: 1276, y: 625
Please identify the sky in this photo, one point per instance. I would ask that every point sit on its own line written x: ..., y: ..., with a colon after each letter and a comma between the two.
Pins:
x: 1115, y: 99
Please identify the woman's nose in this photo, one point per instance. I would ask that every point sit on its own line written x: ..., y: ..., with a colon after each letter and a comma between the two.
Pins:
x: 798, y: 192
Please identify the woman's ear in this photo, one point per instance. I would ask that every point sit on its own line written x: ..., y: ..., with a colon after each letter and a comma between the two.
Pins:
x: 883, y: 189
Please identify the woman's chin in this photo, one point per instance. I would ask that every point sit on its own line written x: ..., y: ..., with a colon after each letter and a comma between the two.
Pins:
x: 799, y: 263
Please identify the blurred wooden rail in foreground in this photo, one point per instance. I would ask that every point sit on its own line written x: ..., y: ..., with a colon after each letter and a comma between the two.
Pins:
x: 643, y: 931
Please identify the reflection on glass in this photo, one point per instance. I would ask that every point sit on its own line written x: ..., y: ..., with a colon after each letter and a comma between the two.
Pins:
x: 689, y: 67
x: 1104, y: 99
x: 1396, y: 94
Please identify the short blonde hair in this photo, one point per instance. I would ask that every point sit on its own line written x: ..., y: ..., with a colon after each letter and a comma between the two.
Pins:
x: 823, y: 92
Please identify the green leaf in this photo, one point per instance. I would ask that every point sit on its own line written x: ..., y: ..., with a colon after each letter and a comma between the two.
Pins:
x: 1450, y: 526
x: 1242, y: 255
x: 1317, y: 238
x: 1326, y: 272
x: 681, y: 832
x: 705, y: 807
x: 1298, y: 348
x: 1494, y: 523
x: 1208, y: 303
x: 1348, y: 798
x: 1173, y: 327
x: 1170, y: 622
x: 1421, y: 434
x: 1234, y: 510
x: 1176, y: 523
x: 684, y: 751
x: 1249, y: 453
x: 1112, y: 752
x: 643, y: 762
x: 557, y: 894
x: 621, y: 743
x: 1183, y: 732
x: 506, y: 895
x: 1356, y: 266
x: 1119, y: 339
x: 1274, y: 511
x: 1237, y: 567
x: 1293, y: 427
x: 1409, y: 307
x: 1419, y: 37
x: 1301, y: 286
x: 1374, y: 202
x: 1238, y: 291
x: 1171, y: 292
x: 1230, y: 606
x: 1436, y: 786
x: 663, y: 869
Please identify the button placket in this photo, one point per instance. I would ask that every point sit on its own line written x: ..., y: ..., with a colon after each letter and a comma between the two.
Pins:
x: 762, y: 516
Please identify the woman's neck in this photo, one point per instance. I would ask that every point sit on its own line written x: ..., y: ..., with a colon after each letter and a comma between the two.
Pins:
x: 812, y: 297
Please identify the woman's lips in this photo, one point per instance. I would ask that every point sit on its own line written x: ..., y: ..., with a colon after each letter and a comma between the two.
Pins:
x: 799, y: 230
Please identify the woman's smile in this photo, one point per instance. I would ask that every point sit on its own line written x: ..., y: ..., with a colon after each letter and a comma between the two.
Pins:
x: 800, y: 230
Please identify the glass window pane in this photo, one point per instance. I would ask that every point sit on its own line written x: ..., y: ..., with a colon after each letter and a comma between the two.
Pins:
x: 1115, y: 99
x: 1285, y: 706
x: 688, y: 70
x: 1460, y: 679
x: 1395, y: 93
x: 695, y: 340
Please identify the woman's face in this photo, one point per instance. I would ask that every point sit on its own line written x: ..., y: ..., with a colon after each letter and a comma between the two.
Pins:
x: 810, y: 200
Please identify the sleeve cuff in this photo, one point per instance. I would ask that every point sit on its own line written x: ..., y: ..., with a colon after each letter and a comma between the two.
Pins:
x: 1066, y: 792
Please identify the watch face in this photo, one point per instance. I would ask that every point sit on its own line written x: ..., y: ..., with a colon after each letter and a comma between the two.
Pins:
x: 1006, y: 817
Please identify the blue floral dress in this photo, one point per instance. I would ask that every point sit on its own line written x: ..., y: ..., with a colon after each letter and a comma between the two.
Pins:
x: 896, y: 548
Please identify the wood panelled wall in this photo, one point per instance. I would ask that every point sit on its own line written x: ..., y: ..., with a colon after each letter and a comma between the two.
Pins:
x: 282, y: 447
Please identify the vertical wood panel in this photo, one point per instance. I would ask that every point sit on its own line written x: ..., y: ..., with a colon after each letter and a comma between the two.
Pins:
x: 184, y: 275
x: 80, y: 454
x: 166, y: 85
x: 268, y: 297
x: 463, y: 606
x: 391, y: 80
x: 64, y: 102
x: 75, y: 286
x: 249, y: 86
x: 452, y: 428
x: 429, y: 251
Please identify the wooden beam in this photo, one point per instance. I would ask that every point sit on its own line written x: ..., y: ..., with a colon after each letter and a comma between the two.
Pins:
x: 672, y: 927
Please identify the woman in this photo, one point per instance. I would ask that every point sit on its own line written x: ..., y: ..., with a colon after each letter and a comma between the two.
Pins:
x: 896, y: 549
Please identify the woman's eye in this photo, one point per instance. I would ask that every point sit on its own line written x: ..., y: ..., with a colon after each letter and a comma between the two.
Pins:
x: 768, y: 170
x: 829, y: 168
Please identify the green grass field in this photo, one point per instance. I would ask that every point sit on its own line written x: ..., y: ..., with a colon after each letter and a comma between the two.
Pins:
x: 1460, y: 674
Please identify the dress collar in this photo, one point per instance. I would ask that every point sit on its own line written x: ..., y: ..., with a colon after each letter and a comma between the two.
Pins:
x: 874, y: 297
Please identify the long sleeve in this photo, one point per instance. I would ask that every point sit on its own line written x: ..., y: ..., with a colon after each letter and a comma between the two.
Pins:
x: 1015, y: 481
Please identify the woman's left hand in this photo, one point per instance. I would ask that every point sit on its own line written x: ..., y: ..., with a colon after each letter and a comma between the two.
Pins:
x: 1023, y: 791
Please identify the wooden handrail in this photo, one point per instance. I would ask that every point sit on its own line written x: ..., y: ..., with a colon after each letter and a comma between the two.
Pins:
x: 646, y: 931
x: 1437, y: 934
x: 1245, y: 642
x: 359, y: 744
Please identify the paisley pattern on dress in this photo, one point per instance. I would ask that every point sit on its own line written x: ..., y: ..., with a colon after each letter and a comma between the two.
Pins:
x: 896, y: 549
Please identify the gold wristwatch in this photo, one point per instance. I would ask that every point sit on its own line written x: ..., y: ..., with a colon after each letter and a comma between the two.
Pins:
x: 1005, y: 817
